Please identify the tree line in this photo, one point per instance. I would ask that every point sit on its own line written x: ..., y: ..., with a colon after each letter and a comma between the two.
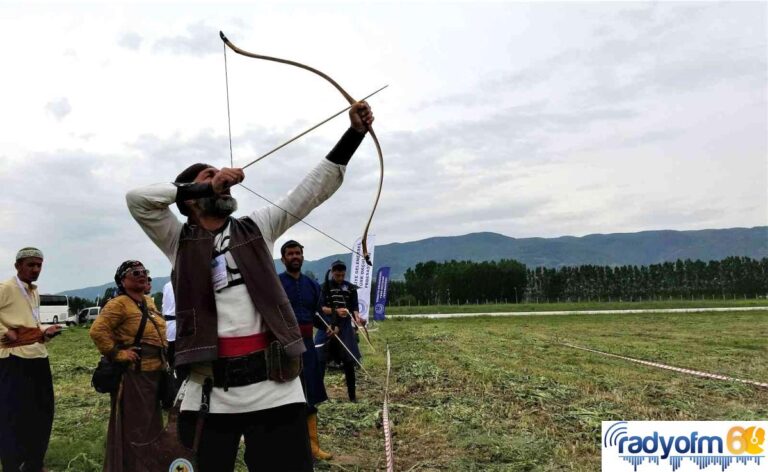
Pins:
x: 509, y: 281
x: 460, y: 282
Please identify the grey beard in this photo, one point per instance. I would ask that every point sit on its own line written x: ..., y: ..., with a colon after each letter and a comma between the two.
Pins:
x: 218, y: 206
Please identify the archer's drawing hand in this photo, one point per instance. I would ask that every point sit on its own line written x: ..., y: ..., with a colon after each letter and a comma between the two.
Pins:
x: 226, y: 178
x: 360, y: 116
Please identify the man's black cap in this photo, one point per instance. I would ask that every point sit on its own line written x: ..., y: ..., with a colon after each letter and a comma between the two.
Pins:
x: 188, y: 175
x: 290, y: 243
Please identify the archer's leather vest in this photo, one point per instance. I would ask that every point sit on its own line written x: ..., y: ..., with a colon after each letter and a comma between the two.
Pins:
x: 196, y: 316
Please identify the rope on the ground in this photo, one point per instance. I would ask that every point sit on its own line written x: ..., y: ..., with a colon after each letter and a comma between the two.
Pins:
x: 385, y: 418
x: 697, y: 373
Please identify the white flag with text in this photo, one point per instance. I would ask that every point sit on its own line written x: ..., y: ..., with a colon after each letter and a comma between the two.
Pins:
x: 360, y: 274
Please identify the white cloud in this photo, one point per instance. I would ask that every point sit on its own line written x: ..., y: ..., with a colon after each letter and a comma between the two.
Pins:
x: 130, y: 40
x: 199, y: 40
x: 59, y: 108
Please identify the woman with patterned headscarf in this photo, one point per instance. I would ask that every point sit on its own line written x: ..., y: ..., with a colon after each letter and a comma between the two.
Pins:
x: 129, y: 330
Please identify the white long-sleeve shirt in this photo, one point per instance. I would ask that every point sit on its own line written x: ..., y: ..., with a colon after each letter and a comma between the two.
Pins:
x: 237, y: 316
x: 169, y: 309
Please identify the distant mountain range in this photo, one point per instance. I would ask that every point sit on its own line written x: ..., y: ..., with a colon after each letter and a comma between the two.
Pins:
x: 643, y: 248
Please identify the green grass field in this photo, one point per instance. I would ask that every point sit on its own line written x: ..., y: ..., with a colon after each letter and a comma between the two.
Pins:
x: 489, y: 393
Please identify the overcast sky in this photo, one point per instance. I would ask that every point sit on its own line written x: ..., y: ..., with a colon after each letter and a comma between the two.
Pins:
x: 543, y: 119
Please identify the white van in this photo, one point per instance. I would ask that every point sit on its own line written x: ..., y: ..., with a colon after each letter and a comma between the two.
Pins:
x: 72, y: 319
x: 87, y: 315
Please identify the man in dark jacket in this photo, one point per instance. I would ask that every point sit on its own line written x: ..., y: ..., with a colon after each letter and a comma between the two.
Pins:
x: 339, y: 301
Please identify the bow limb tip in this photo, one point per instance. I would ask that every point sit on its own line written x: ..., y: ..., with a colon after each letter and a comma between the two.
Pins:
x: 368, y: 259
x: 222, y: 36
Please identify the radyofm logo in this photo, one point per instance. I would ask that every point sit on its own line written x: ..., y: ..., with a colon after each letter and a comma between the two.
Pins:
x: 667, y: 444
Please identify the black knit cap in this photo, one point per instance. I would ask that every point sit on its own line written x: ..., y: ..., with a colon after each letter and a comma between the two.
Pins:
x: 338, y: 265
x: 188, y: 175
x: 290, y: 243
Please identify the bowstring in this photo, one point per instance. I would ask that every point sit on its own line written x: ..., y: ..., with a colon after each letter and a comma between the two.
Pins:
x: 299, y: 219
x: 229, y: 118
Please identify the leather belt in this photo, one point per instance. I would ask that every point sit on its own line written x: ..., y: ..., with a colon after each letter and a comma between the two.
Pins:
x: 240, y: 371
x: 149, y: 351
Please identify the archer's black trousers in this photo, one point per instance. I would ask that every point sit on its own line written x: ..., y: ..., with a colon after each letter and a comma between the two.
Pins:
x: 276, y: 439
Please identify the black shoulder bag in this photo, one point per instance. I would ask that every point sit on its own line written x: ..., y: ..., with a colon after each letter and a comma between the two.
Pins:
x: 108, y: 374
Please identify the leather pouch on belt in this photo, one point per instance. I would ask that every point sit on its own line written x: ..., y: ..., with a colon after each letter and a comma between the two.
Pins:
x: 280, y: 366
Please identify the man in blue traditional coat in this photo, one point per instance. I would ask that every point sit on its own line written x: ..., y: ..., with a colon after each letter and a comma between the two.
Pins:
x: 304, y: 294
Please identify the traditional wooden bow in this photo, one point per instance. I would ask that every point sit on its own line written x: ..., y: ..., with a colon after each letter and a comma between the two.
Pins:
x: 351, y: 101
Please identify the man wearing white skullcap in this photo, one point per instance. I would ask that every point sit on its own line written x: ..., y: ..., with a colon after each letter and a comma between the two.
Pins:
x: 26, y: 386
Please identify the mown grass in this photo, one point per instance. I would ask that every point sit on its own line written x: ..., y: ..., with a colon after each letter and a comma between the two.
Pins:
x: 490, y: 394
